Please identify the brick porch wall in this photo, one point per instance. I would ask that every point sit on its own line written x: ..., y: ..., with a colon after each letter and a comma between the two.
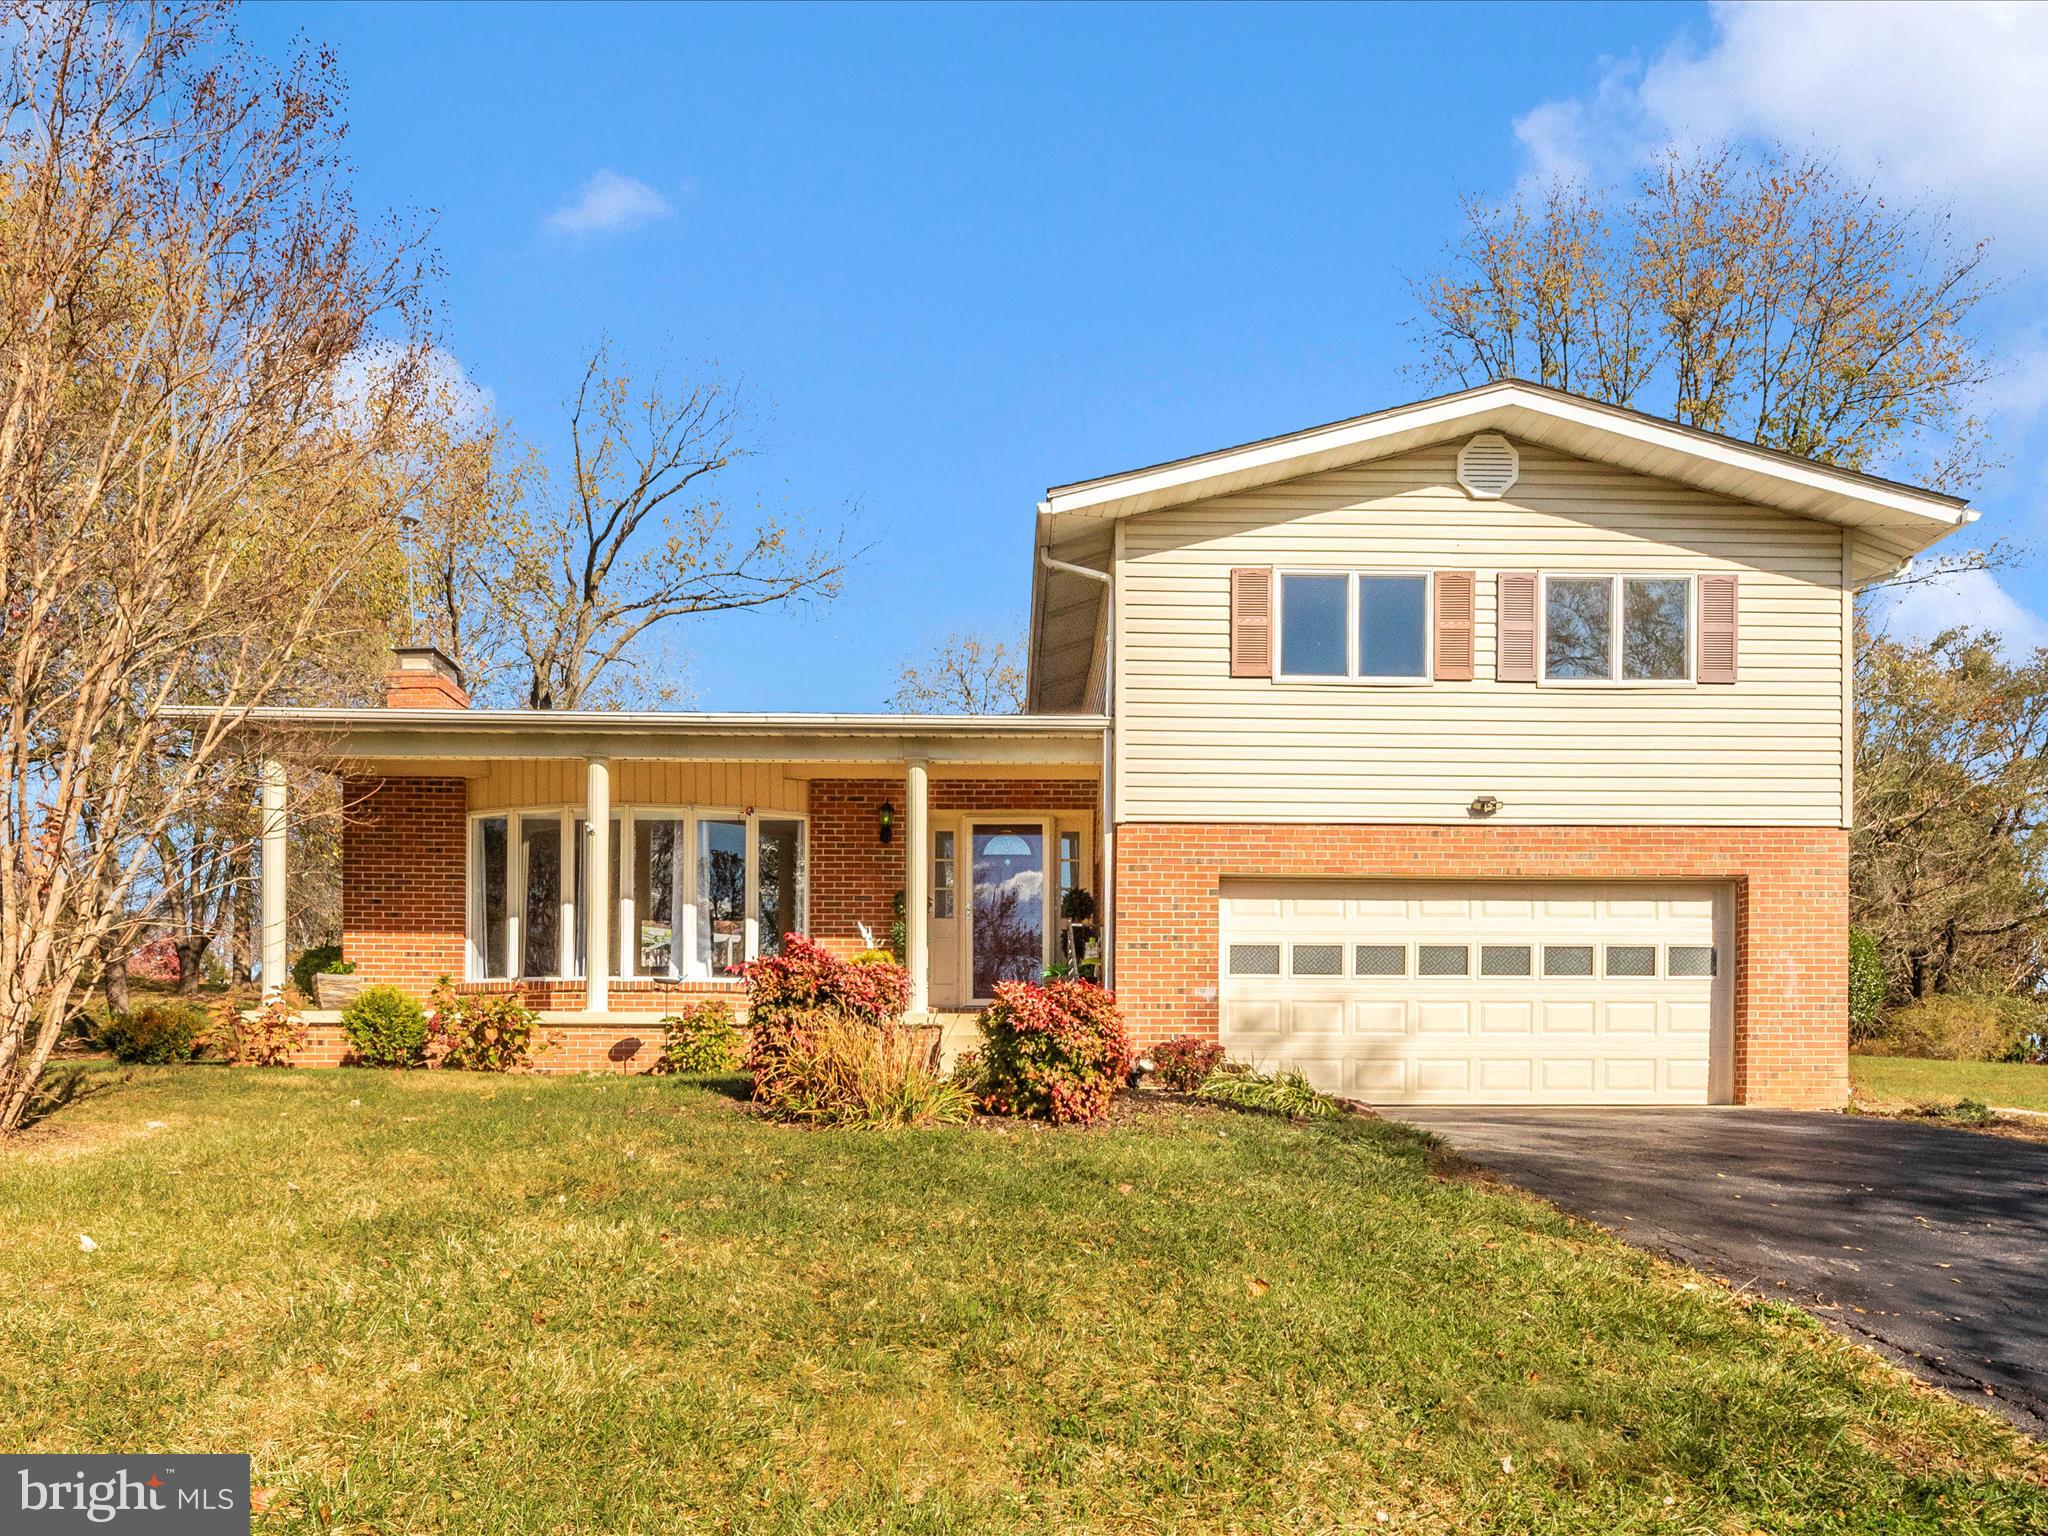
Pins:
x: 855, y: 876
x: 402, y: 874
x: 629, y: 1047
x: 1791, y: 917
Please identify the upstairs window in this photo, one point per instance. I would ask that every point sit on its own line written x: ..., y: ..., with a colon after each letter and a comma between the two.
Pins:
x: 1354, y: 625
x: 1617, y: 629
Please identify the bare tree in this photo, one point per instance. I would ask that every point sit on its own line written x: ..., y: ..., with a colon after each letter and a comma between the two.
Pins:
x: 191, y: 472
x: 471, y: 545
x: 967, y: 673
x: 1950, y: 872
x: 1764, y: 295
x: 639, y: 537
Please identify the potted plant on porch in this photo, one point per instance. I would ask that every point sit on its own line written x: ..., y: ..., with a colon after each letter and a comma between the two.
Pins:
x: 1077, y: 918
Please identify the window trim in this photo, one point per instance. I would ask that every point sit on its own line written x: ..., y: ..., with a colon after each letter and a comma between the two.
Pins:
x: 1614, y: 679
x: 945, y: 874
x: 623, y: 916
x: 1352, y: 677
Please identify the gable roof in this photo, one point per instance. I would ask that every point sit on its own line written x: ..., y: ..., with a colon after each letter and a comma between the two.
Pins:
x: 1534, y: 413
x: 1901, y: 519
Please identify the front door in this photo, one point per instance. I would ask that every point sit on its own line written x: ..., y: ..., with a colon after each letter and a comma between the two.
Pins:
x: 1008, y: 910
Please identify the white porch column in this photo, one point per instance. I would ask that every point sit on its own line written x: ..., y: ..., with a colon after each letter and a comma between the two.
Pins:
x: 272, y: 828
x: 917, y: 889
x: 597, y: 884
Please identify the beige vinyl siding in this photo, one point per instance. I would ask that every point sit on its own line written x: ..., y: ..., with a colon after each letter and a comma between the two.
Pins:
x: 509, y: 783
x: 1194, y: 744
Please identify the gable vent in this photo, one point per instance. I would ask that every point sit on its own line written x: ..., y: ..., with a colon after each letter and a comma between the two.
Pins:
x: 1488, y: 465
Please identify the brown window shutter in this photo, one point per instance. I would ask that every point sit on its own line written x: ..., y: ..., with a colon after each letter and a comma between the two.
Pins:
x: 1514, y: 627
x: 1251, y: 621
x: 1717, y: 629
x: 1454, y: 626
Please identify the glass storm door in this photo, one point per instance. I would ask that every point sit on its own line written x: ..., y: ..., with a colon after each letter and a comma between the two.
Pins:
x: 1009, y: 904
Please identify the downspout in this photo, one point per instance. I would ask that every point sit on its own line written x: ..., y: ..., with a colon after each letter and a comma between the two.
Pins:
x: 1107, y: 906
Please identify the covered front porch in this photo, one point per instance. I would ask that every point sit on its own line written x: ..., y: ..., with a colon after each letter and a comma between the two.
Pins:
x: 471, y: 850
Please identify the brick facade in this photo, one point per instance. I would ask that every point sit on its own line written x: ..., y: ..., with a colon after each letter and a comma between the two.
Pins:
x: 855, y: 876
x: 1791, y: 917
x: 403, y: 857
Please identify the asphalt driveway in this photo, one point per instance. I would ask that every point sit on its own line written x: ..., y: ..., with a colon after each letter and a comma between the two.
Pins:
x: 1930, y: 1243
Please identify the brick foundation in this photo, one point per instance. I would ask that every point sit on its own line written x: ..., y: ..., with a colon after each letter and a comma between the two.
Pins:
x: 634, y: 1046
x: 1791, y: 917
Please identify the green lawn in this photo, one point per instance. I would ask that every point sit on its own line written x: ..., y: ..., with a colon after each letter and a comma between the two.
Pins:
x: 1892, y: 1079
x: 431, y: 1303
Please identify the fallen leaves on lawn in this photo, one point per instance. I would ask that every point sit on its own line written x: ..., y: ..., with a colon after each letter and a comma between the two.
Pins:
x: 1256, y: 1286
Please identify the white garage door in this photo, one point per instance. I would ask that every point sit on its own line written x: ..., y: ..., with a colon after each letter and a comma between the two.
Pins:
x: 1432, y: 993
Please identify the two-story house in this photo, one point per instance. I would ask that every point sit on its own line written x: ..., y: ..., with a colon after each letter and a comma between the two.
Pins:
x: 1495, y: 748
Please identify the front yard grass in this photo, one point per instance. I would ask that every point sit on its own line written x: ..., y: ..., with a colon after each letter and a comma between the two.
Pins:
x: 1909, y: 1080
x: 429, y: 1302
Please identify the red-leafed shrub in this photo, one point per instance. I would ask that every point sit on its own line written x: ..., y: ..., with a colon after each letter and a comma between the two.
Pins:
x: 1056, y: 1051
x: 825, y: 1043
x: 1184, y: 1064
x: 806, y: 976
x: 493, y: 1033
x: 270, y: 1036
x: 155, y: 961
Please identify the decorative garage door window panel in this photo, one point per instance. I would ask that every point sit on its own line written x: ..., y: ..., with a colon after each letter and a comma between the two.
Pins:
x: 1482, y: 993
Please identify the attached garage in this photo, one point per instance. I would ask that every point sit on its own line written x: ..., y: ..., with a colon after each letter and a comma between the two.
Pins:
x: 1483, y: 993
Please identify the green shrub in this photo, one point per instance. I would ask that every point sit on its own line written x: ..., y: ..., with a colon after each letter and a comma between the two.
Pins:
x: 492, y: 1033
x: 154, y: 1034
x: 1963, y: 1112
x: 1058, y: 1051
x: 1866, y: 986
x: 1282, y: 1093
x: 700, y: 1039
x: 1184, y: 1064
x: 320, y: 960
x: 1961, y: 1026
x: 385, y: 1028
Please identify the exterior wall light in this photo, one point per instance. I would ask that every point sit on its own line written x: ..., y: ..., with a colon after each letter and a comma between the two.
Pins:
x: 1484, y: 805
x: 885, y: 822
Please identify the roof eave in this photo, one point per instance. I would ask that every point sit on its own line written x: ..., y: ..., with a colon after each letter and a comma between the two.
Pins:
x: 1807, y: 488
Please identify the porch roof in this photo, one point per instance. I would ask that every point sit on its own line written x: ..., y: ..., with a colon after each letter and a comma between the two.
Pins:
x: 384, y: 736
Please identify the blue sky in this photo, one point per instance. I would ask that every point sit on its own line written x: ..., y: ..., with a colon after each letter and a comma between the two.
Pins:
x: 968, y: 253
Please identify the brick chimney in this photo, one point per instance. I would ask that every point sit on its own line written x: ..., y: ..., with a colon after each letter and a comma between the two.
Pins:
x: 422, y: 678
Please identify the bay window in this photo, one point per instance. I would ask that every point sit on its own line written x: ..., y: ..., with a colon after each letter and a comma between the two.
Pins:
x: 1617, y: 629
x: 721, y: 897
x: 779, y: 883
x: 540, y: 857
x: 694, y: 894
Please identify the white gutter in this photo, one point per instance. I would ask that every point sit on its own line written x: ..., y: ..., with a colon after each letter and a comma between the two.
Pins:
x: 1107, y: 905
x: 680, y: 722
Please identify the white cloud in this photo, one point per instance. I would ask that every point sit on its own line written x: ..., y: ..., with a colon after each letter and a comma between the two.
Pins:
x: 610, y: 204
x: 1943, y: 101
x: 467, y: 402
x: 1971, y: 600
x: 1939, y: 104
